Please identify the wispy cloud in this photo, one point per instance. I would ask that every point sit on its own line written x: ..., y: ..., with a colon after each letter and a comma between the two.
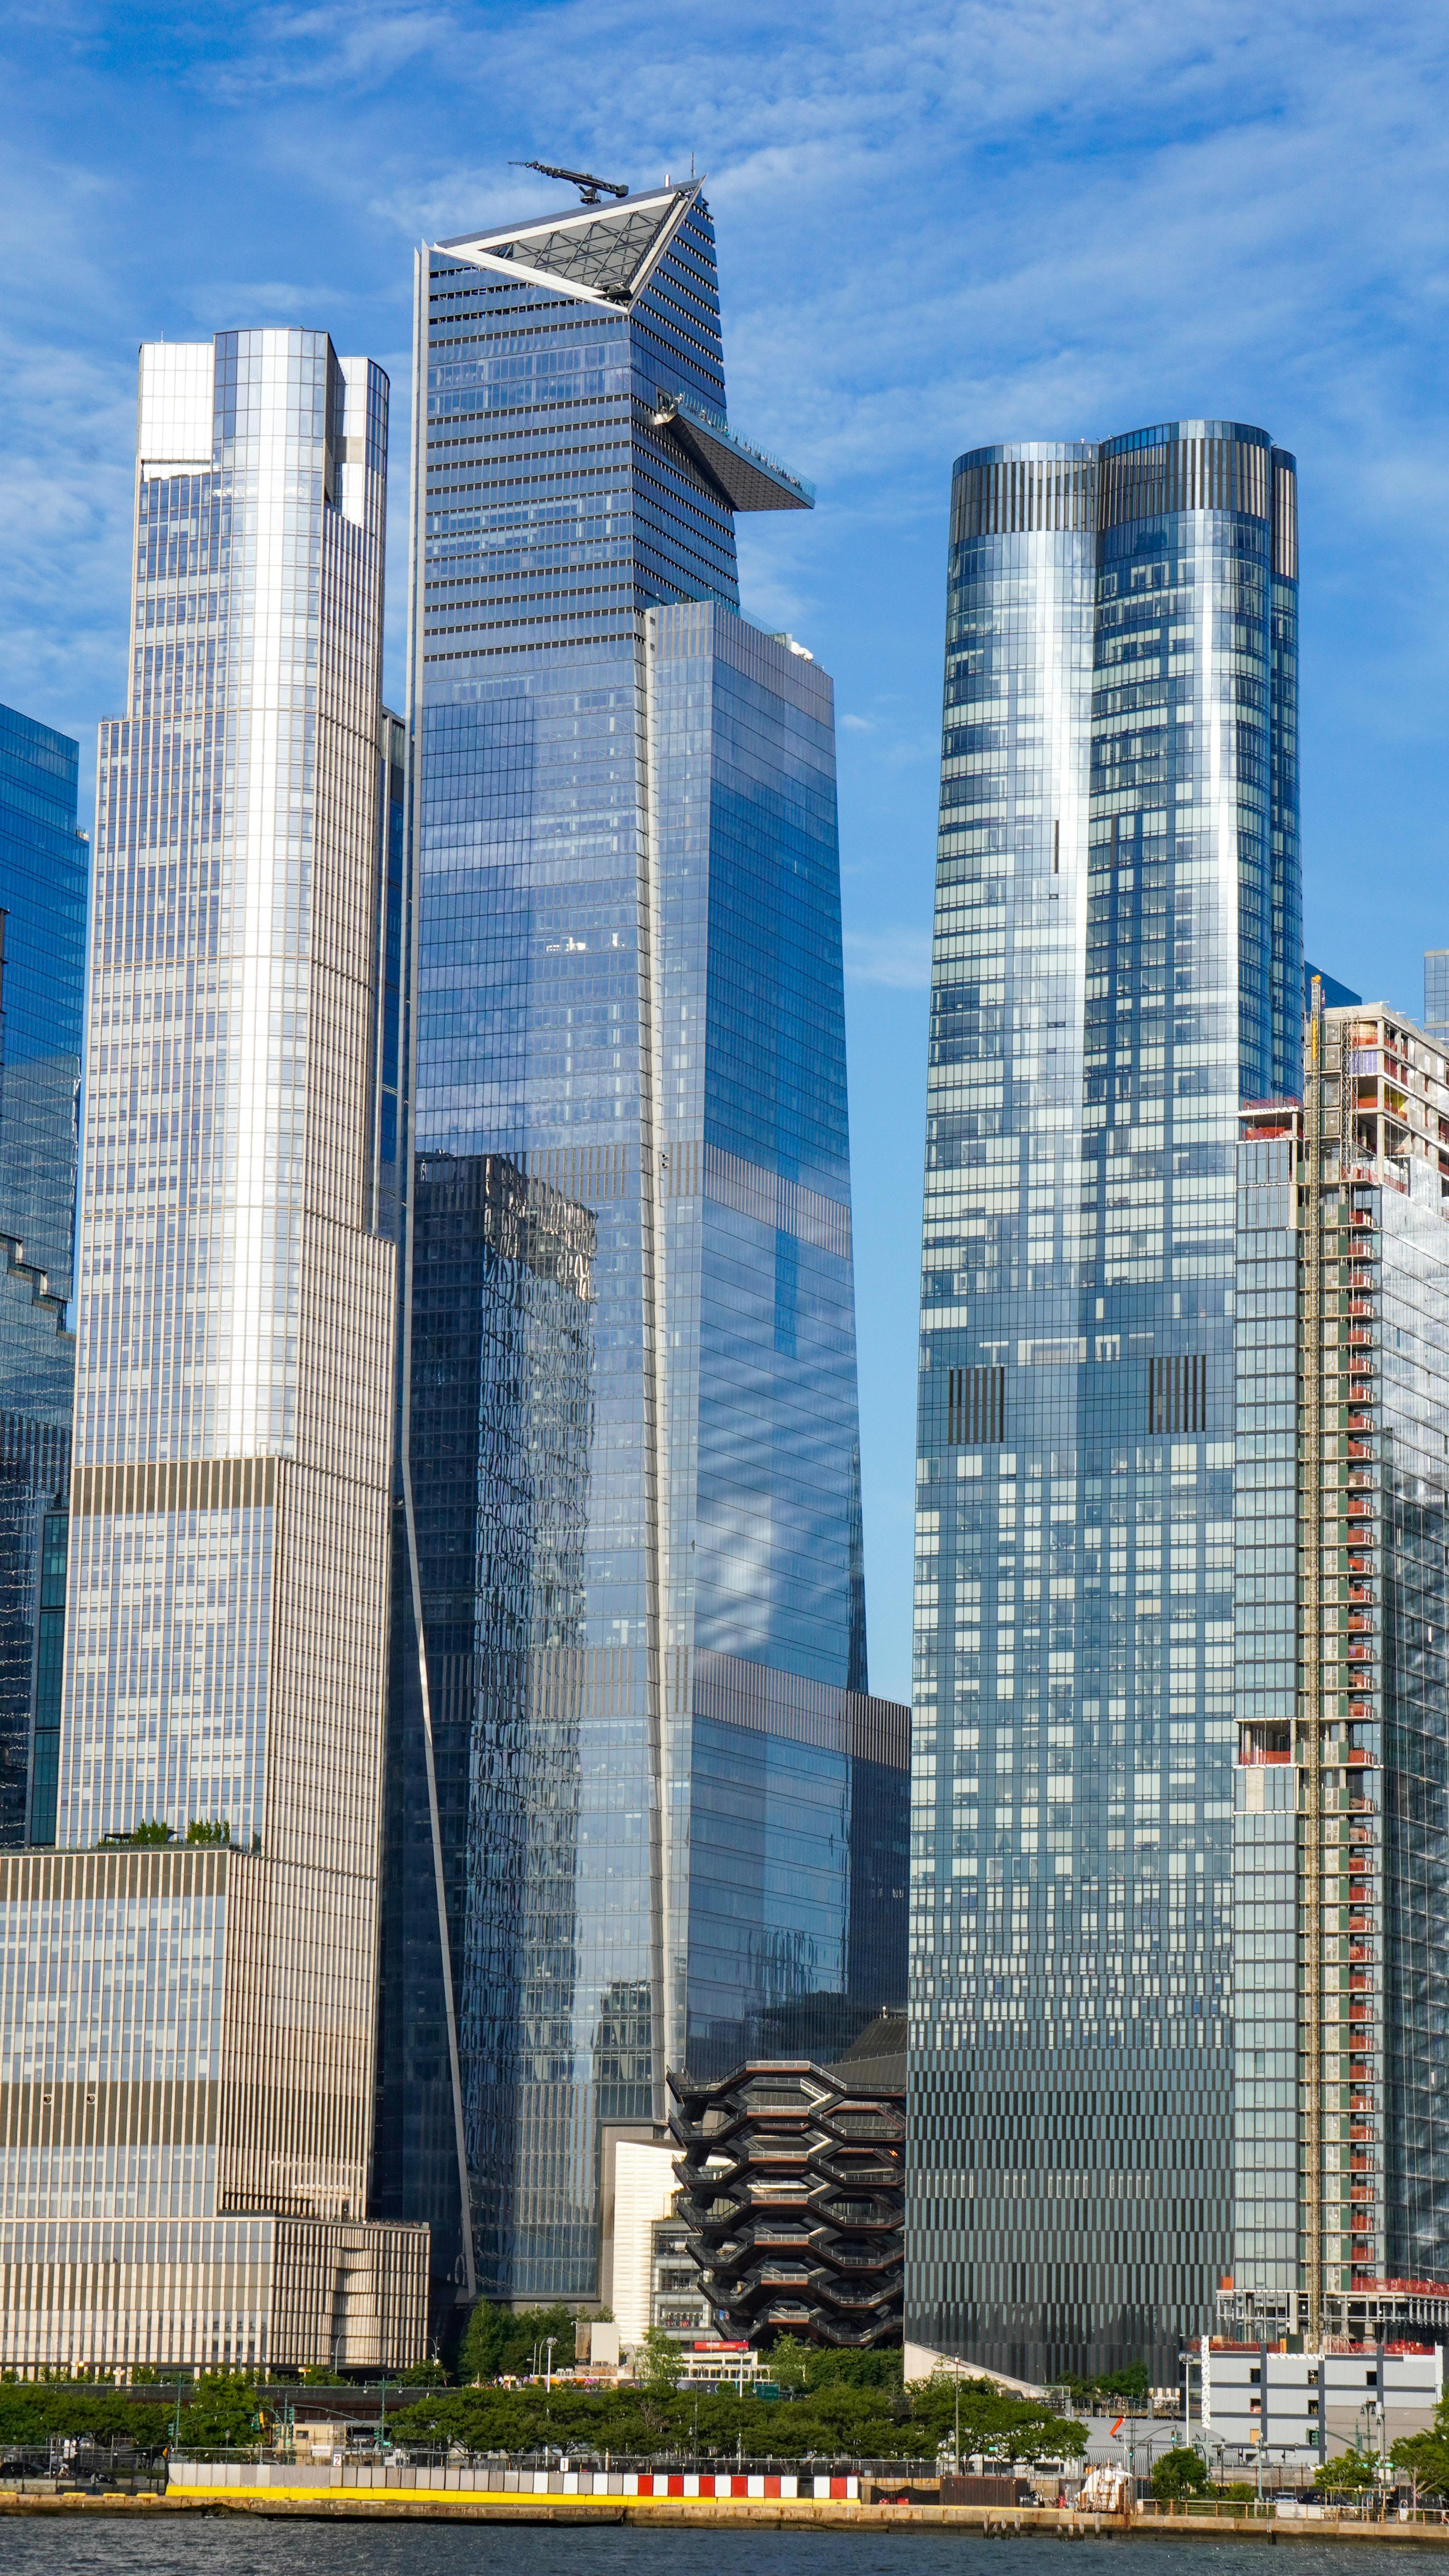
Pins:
x: 899, y: 957
x: 941, y: 221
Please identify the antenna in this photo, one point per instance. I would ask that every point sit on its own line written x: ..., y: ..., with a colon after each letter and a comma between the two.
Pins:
x: 585, y: 182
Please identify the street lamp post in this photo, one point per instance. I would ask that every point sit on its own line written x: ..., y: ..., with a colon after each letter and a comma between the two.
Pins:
x: 1380, y: 2339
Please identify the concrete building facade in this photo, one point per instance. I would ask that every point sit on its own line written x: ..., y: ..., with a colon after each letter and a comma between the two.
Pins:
x: 1341, y: 1828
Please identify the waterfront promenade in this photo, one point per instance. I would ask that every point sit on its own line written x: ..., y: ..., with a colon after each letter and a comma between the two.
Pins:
x: 660, y: 2503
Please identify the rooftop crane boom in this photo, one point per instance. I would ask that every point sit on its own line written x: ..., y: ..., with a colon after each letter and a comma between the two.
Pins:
x: 585, y: 182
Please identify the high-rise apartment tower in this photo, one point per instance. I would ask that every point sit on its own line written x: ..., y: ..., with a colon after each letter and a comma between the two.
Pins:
x: 1117, y: 963
x: 187, y: 1984
x: 42, y: 992
x: 638, y: 1782
x: 1341, y: 1840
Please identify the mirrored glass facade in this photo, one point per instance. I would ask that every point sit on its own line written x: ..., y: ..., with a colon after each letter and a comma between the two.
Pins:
x: 1117, y: 962
x: 43, y: 869
x: 187, y: 2017
x: 637, y: 1778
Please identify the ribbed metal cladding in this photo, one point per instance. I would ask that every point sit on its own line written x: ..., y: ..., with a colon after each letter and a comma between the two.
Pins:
x: 1285, y: 515
x: 144, y: 1873
x: 1039, y: 495
x: 1194, y: 473
x: 1024, y: 495
x: 175, y: 1485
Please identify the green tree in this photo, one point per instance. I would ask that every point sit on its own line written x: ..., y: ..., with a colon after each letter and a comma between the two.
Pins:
x: 489, y: 2333
x: 1178, y: 2474
x: 828, y: 2420
x: 1424, y: 2457
x: 992, y: 2421
x: 1350, y: 2474
x: 208, y: 1830
x: 498, y: 2341
x: 1127, y: 2388
x: 224, y: 2413
x: 790, y: 2360
x: 33, y: 2410
x: 827, y: 2368
x: 658, y: 2363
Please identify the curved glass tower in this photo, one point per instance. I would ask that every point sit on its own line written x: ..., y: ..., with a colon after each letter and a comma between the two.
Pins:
x: 1117, y: 962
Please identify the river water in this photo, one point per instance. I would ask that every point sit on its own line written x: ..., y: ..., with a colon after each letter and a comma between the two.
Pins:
x: 218, y: 2545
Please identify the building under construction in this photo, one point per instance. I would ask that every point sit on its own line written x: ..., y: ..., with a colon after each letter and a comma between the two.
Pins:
x: 1341, y: 1927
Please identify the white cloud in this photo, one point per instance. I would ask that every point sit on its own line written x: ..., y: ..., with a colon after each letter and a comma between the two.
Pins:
x: 899, y: 957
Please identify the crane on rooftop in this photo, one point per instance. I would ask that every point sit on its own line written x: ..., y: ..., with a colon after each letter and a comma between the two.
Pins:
x: 585, y: 182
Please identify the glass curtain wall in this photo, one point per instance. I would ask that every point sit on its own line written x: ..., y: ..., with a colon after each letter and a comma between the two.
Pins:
x: 629, y: 1032
x: 196, y: 2035
x: 1117, y: 961
x: 43, y: 866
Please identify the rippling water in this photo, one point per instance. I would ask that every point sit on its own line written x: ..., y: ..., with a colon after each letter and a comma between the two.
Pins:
x: 216, y: 2545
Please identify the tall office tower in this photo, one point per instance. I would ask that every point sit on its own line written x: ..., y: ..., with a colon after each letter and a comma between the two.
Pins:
x: 645, y: 1794
x: 1117, y: 961
x: 1341, y: 1855
x: 42, y: 985
x: 1436, y: 994
x: 187, y: 1996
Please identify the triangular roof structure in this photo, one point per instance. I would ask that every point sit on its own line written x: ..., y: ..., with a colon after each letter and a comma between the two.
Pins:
x: 603, y: 254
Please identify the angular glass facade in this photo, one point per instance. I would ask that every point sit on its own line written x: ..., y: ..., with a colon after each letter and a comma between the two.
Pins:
x: 1118, y: 960
x: 636, y: 1781
x: 195, y: 2037
x: 1342, y: 1826
x: 43, y: 867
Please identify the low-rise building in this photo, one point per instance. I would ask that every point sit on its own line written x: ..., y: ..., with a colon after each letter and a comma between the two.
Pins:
x: 678, y: 2305
x: 1311, y: 2404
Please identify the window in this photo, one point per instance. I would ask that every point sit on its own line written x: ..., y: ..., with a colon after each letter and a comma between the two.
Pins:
x: 976, y: 1406
x: 1177, y: 1395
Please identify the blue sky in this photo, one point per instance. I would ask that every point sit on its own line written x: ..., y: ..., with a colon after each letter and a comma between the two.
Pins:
x: 940, y: 222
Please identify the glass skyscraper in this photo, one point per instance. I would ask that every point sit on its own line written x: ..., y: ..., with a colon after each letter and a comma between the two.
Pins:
x: 643, y: 1811
x: 1117, y: 962
x: 1436, y: 994
x: 188, y: 1983
x: 42, y: 984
